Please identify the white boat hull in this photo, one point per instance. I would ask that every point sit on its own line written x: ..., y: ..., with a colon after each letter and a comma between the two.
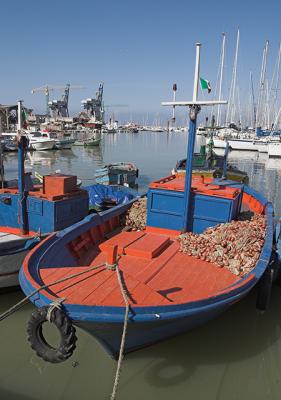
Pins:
x: 274, y: 149
x: 261, y: 147
x: 219, y: 143
x: 242, y: 144
x: 10, y: 263
x: 9, y: 270
x: 44, y: 145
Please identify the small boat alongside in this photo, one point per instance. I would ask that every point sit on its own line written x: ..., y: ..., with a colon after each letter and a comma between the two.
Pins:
x: 121, y: 173
x: 209, y: 164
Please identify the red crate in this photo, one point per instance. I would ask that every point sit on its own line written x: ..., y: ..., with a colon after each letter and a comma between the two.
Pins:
x: 58, y: 184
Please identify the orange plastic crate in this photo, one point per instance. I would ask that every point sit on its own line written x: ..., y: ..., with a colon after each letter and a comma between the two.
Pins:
x: 56, y: 185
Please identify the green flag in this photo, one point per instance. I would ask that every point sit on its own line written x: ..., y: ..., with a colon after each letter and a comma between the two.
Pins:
x: 205, y: 84
x: 24, y: 117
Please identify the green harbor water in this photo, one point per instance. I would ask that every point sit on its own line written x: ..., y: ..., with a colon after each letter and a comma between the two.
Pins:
x: 237, y: 356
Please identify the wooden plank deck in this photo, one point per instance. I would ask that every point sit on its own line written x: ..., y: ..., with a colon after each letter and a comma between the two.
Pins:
x: 170, y: 277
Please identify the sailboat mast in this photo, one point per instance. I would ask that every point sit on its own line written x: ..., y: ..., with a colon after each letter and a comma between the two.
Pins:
x: 221, y: 77
x: 230, y: 107
x: 239, y: 108
x: 261, y: 100
x: 252, y: 106
x: 274, y: 86
x: 235, y: 76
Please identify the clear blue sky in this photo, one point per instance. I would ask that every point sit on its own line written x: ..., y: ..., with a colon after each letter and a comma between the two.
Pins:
x: 138, y: 48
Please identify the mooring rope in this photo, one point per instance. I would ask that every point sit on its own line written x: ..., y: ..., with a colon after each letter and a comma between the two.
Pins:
x: 123, y: 289
x: 56, y: 304
x: 122, y: 345
x: 22, y: 302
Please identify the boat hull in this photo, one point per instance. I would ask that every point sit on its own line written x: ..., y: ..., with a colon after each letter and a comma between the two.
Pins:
x: 140, y: 335
x: 94, y: 142
x: 64, y: 144
x: 117, y: 179
x: 261, y: 147
x: 117, y: 174
x: 148, y: 323
x: 9, y: 269
x: 240, y: 144
x: 46, y: 145
x: 274, y: 149
x: 219, y: 143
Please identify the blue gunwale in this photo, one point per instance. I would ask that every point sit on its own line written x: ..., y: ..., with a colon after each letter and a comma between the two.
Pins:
x: 143, y: 314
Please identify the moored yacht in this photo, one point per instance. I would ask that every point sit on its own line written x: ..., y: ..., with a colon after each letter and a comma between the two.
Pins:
x: 38, y: 142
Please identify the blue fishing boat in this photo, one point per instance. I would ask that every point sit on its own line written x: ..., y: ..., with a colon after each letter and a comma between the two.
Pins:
x: 131, y: 288
x: 121, y: 173
x: 210, y: 164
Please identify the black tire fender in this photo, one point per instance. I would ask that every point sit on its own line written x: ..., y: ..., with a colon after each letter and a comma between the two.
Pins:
x: 39, y: 344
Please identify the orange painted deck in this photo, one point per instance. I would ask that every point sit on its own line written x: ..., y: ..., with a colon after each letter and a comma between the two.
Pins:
x: 154, y: 273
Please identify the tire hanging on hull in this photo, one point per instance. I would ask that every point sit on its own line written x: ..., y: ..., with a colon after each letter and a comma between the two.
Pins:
x: 38, y: 342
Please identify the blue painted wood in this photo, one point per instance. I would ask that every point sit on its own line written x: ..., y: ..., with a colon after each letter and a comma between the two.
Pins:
x: 188, y: 174
x: 22, y: 206
x: 44, y: 215
x: 166, y: 209
x: 208, y: 211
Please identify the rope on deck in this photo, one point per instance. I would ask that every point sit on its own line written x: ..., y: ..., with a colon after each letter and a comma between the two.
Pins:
x: 22, y: 302
x: 122, y: 345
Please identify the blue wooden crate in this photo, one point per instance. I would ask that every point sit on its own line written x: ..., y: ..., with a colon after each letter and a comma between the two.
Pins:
x: 44, y: 215
x: 165, y: 209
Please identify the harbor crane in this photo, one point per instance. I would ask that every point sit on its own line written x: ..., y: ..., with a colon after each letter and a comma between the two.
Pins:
x: 58, y: 107
x: 94, y: 107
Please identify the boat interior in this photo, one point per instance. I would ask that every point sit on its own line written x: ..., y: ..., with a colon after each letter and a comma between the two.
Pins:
x: 153, y: 269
